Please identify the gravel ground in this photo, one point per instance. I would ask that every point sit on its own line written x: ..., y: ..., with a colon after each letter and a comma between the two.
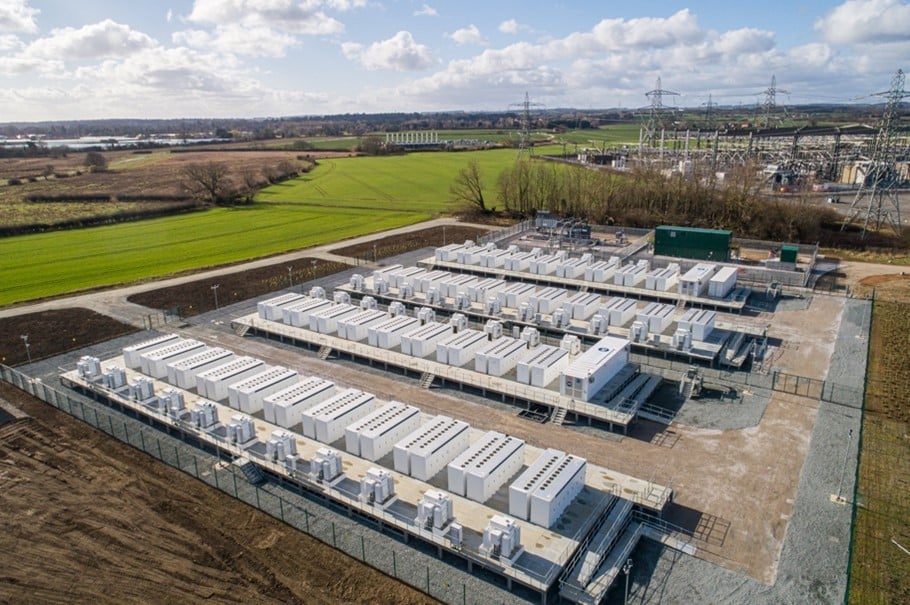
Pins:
x: 813, y: 564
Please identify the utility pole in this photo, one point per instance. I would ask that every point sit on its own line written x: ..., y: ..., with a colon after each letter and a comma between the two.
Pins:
x: 290, y: 278
x: 215, y: 292
x: 28, y: 352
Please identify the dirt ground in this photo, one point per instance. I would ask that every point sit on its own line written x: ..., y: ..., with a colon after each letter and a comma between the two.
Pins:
x: 86, y: 519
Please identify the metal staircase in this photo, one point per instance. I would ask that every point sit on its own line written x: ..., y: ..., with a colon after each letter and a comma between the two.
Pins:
x: 324, y: 352
x: 426, y: 380
x: 250, y: 471
x: 559, y: 415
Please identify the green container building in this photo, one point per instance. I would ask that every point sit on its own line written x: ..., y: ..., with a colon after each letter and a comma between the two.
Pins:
x: 788, y: 253
x: 693, y: 242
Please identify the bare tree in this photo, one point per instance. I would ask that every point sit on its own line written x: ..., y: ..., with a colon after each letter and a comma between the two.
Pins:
x: 208, y: 181
x: 468, y: 187
x: 95, y: 161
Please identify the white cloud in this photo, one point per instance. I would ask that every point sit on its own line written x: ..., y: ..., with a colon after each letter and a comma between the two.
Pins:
x: 17, y: 16
x: 283, y: 15
x: 17, y: 65
x: 256, y: 41
x: 866, y: 22
x: 510, y: 26
x: 169, y: 15
x: 105, y: 39
x: 345, y: 5
x: 9, y: 42
x: 400, y: 52
x: 426, y: 11
x: 468, y: 35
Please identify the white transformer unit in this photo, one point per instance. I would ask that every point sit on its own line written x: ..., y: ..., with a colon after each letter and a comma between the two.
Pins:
x: 357, y: 326
x: 449, y: 253
x: 426, y: 315
x: 631, y: 275
x: 340, y: 297
x: 722, y: 282
x: 388, y: 333
x: 114, y: 378
x: 356, y: 282
x: 480, y: 290
x: 570, y: 343
x: 204, y: 415
x: 377, y: 487
x: 663, y: 279
x: 397, y: 308
x: 132, y: 353
x: 284, y: 407
x: 433, y: 297
x: 549, y: 485
x: 142, y: 389
x: 619, y: 311
x: 525, y: 312
x: 519, y: 261
x: 434, y: 511
x: 514, y: 294
x: 700, y: 322
x: 374, y: 435
x: 547, y: 300
x: 271, y: 309
x: 541, y: 366
x: 499, y: 356
x: 682, y: 340
x: 501, y: 539
x: 326, y: 421
x: 458, y: 321
x: 172, y: 402
x: 601, y: 271
x: 594, y: 368
x: 246, y: 395
x: 298, y: 314
x: 326, y: 321
x: 572, y: 268
x: 531, y: 336
x: 581, y: 305
x: 561, y: 318
x: 458, y: 349
x: 639, y: 331
x: 454, y: 284
x: 380, y: 285
x: 430, y: 448
x: 240, y: 429
x: 406, y: 291
x: 280, y: 445
x: 431, y: 279
x: 182, y: 373
x: 213, y: 384
x: 317, y: 292
x: 658, y: 316
x: 89, y: 368
x: 493, y: 329
x: 695, y: 281
x: 326, y: 465
x: 421, y: 342
x: 368, y: 303
x: 479, y: 471
x: 462, y: 301
x: 493, y: 307
x: 154, y: 363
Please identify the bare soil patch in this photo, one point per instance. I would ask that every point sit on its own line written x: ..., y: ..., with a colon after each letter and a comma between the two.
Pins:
x: 87, y: 519
x: 895, y: 286
x: 55, y: 331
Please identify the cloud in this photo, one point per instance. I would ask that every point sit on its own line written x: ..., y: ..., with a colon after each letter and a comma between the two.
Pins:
x: 400, y: 52
x: 256, y: 41
x: 510, y: 26
x: 282, y: 15
x: 18, y: 16
x: 18, y: 65
x: 169, y: 15
x: 105, y: 39
x: 468, y: 35
x: 426, y: 11
x: 866, y: 22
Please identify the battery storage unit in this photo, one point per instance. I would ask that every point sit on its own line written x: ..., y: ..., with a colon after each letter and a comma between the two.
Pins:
x: 213, y: 384
x: 374, y: 435
x: 284, y: 407
x: 663, y: 279
x: 547, y: 300
x: 722, y: 282
x: 619, y: 311
x: 451, y: 286
x: 482, y: 289
x: 182, y: 373
x: 430, y: 448
x: 572, y: 268
x: 581, y: 305
x: 246, y: 395
x: 519, y: 261
x: 154, y: 363
x: 541, y: 365
x: 458, y: 349
x: 657, y: 316
x: 512, y: 295
x: 421, y: 342
x: 470, y: 255
x: 448, y: 253
x: 700, y: 322
x: 132, y: 353
x: 431, y: 279
x: 631, y: 275
x: 601, y: 271
x: 545, y: 264
x: 325, y: 422
x: 695, y: 281
x: 492, y: 259
x: 399, y: 277
x: 298, y: 313
x: 271, y: 309
x: 594, y: 368
x: 500, y: 356
x: 547, y: 487
x: 326, y: 320
x: 357, y: 327
x: 478, y: 472
x: 388, y: 333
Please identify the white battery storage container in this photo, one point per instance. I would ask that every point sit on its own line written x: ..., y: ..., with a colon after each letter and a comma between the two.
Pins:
x: 132, y: 354
x: 154, y: 363
x: 421, y: 342
x: 547, y: 487
x: 388, y: 333
x: 483, y: 288
x: 246, y: 395
x: 663, y: 279
x: 500, y: 356
x: 430, y: 448
x: 572, y: 268
x: 470, y: 255
x: 285, y: 406
x: 399, y: 277
x: 458, y: 349
x: 182, y: 373
x: 326, y: 320
x: 541, y: 365
x: 581, y: 305
x: 325, y: 422
x: 594, y: 368
x: 619, y: 311
x: 600, y: 271
x: 374, y: 435
x: 356, y: 327
x: 519, y: 262
x: 700, y: 322
x: 515, y: 293
x: 213, y: 384
x: 457, y: 283
x: 657, y: 316
x: 478, y: 472
x: 431, y: 279
x: 298, y: 314
x: 722, y: 282
x: 545, y: 265
x: 271, y: 309
x: 448, y: 253
x: 547, y: 300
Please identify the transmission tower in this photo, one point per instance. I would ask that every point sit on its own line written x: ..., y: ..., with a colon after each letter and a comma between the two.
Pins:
x: 524, y: 140
x: 656, y: 114
x: 709, y: 113
x: 881, y: 178
x: 771, y: 100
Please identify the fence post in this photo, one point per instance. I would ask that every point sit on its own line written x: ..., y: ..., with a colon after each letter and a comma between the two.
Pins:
x: 363, y: 549
x: 110, y: 423
x: 333, y: 535
x: 126, y: 433
x: 258, y: 504
x: 177, y: 454
x: 281, y: 507
x: 306, y: 516
x: 142, y: 440
x: 394, y: 565
x: 158, y: 441
x: 195, y: 465
x: 428, y: 579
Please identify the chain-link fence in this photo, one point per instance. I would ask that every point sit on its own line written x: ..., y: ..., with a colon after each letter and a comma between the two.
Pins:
x: 415, y: 565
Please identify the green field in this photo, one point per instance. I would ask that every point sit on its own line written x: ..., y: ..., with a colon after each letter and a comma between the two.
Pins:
x: 339, y: 199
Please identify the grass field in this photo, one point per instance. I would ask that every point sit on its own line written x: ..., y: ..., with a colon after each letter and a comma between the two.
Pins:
x: 880, y: 570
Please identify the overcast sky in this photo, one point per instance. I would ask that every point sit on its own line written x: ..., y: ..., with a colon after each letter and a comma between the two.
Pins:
x: 79, y: 59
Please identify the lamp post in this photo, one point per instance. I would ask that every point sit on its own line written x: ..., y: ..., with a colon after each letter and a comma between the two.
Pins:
x: 28, y: 352
x: 627, y: 569
x: 215, y: 292
x: 290, y: 278
x: 843, y: 470
x: 313, y: 262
